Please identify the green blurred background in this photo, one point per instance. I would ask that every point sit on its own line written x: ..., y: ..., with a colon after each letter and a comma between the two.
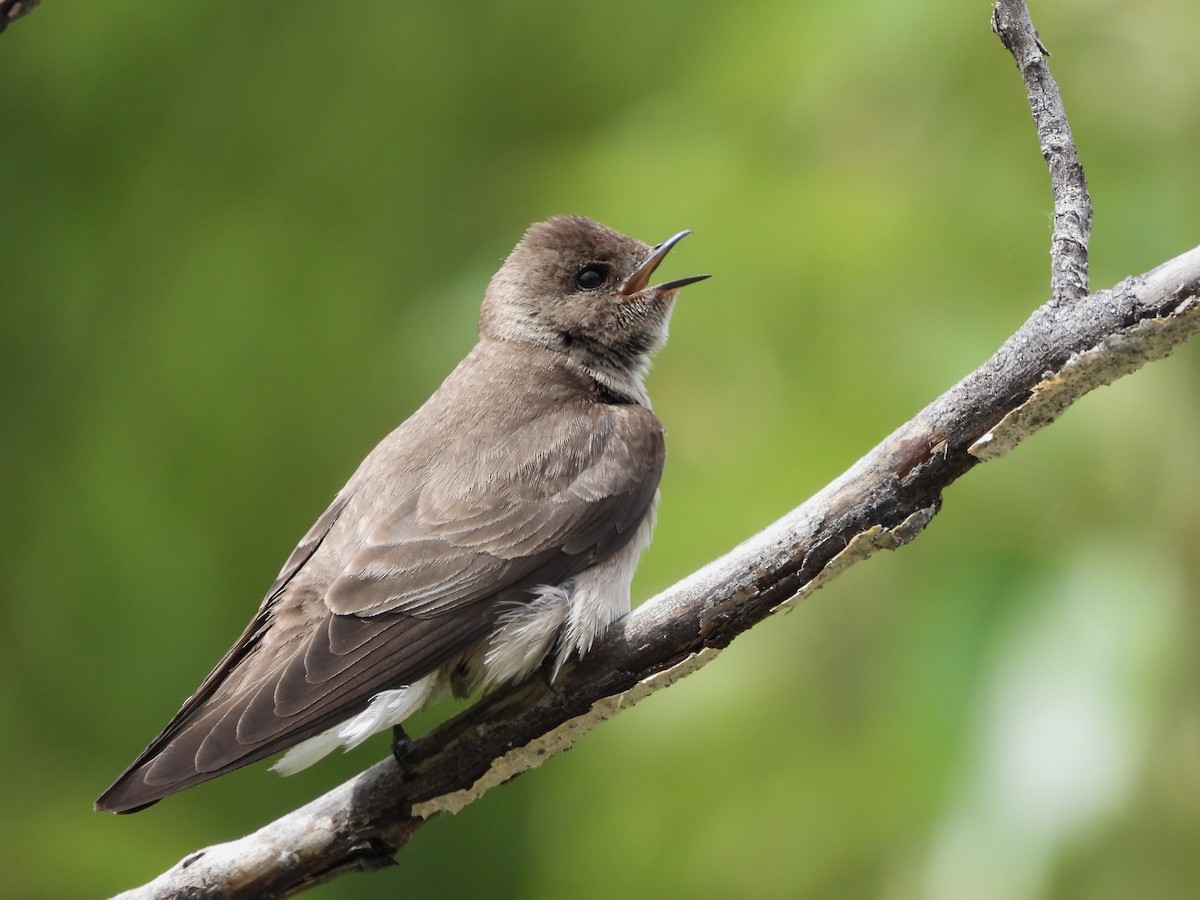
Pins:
x: 240, y: 243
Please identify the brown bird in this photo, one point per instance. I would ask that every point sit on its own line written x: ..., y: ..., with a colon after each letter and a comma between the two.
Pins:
x: 497, y: 529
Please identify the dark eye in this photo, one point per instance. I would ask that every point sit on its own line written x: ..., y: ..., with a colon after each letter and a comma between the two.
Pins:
x: 591, y: 277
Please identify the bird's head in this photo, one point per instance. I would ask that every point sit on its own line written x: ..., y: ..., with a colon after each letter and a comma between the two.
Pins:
x: 574, y: 285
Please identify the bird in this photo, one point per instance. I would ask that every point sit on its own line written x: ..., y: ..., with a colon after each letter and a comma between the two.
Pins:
x: 493, y: 534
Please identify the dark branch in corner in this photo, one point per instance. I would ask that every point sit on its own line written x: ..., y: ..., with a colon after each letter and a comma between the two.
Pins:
x: 11, y: 10
x: 1072, y: 205
x: 1064, y: 350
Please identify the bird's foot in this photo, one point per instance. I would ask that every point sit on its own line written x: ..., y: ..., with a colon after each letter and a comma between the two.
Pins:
x: 400, y: 743
x: 548, y: 670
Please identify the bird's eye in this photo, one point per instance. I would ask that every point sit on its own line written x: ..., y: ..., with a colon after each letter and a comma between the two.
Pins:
x: 591, y: 277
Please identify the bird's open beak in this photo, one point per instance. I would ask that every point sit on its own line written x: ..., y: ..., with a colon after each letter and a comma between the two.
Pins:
x: 636, y: 282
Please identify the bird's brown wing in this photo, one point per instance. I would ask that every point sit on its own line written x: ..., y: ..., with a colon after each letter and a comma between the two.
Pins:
x: 418, y: 589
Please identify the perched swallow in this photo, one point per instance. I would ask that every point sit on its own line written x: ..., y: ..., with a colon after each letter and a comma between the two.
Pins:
x: 497, y: 529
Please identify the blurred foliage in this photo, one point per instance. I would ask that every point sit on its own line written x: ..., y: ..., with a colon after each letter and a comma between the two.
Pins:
x: 241, y: 243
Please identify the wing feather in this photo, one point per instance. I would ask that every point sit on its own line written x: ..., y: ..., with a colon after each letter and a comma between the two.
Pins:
x: 375, y: 598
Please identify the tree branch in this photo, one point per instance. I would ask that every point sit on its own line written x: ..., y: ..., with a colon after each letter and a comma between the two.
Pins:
x: 11, y: 10
x: 1072, y: 205
x: 1064, y: 350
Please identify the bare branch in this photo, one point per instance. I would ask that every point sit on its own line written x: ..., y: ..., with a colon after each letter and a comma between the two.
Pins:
x: 1072, y: 205
x: 11, y: 10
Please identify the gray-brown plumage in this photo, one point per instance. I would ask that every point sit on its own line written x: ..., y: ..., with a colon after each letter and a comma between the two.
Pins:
x: 497, y: 527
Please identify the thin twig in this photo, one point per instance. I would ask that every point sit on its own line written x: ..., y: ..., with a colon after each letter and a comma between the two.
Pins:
x: 11, y: 10
x: 1072, y: 205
